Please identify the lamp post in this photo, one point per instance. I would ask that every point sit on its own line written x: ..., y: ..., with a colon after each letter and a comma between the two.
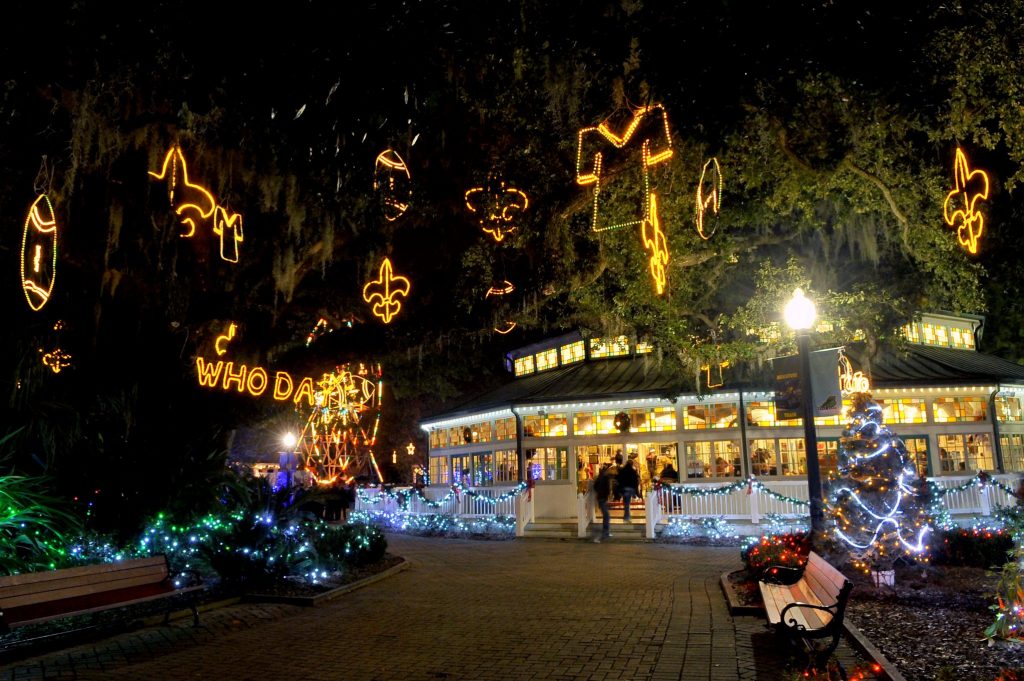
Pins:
x: 800, y: 314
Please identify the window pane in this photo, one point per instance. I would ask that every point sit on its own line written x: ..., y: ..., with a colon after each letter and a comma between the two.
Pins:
x: 762, y: 457
x: 917, y: 448
x: 506, y: 466
x: 954, y: 409
x: 1013, y: 452
x: 698, y: 459
x: 573, y: 352
x: 547, y: 359
x: 483, y: 470
x: 439, y: 470
x: 696, y: 417
x: 793, y: 456
x: 1008, y: 409
x: 952, y: 457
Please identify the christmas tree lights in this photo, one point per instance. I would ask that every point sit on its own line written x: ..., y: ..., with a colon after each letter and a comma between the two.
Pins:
x: 876, y: 502
x: 959, y: 208
x: 39, y: 253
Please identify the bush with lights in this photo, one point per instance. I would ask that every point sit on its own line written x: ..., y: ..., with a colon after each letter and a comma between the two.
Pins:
x: 787, y: 550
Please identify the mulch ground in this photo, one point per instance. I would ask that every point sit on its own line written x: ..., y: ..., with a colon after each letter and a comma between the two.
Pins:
x: 930, y: 626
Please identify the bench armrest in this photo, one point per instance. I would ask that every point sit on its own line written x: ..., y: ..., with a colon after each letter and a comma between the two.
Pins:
x: 830, y: 609
x: 188, y: 577
x: 781, y: 574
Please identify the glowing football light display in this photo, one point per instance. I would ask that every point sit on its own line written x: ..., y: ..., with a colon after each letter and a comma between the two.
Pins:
x: 342, y: 422
x: 959, y: 208
x: 709, y: 198
x: 502, y: 289
x: 656, y: 244
x: 507, y: 328
x: 393, y: 184
x: 220, y: 344
x: 194, y: 204
x: 382, y: 292
x: 654, y: 146
x: 497, y: 207
x: 39, y: 253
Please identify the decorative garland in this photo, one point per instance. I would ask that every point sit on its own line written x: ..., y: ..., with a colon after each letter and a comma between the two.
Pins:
x: 750, y: 483
x: 404, y: 496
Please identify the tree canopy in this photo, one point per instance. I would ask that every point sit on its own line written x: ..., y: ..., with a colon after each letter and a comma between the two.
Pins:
x: 835, y: 125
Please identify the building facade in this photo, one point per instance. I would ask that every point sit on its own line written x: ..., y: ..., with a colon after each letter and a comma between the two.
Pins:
x: 575, y: 403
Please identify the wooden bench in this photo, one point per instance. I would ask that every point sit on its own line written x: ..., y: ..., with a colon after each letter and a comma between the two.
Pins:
x: 809, y: 607
x: 42, y: 596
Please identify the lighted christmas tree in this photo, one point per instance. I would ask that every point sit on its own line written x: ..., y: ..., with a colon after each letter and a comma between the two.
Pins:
x: 876, y: 501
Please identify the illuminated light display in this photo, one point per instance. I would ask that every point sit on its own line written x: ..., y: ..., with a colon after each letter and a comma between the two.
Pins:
x: 655, y: 146
x: 720, y: 381
x: 392, y: 182
x: 709, y: 198
x: 241, y: 378
x: 228, y: 226
x: 851, y: 381
x: 503, y: 289
x: 507, y: 328
x: 57, y: 360
x: 220, y: 344
x: 959, y: 208
x: 382, y: 292
x: 39, y: 253
x: 319, y: 329
x: 497, y: 206
x: 656, y: 244
x: 337, y: 438
x: 194, y: 204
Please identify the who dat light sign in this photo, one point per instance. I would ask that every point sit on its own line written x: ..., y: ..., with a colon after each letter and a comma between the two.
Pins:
x: 255, y: 380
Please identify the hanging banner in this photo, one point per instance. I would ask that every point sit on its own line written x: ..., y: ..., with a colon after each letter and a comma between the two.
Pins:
x: 826, y: 396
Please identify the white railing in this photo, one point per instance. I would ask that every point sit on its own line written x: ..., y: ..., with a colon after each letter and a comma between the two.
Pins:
x: 745, y: 503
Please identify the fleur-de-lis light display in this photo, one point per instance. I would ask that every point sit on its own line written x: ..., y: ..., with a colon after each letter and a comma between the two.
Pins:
x: 709, y: 199
x: 194, y: 204
x: 39, y: 253
x: 57, y: 360
x: 392, y: 183
x: 497, y: 207
x: 960, y: 208
x: 648, y: 139
x: 383, y: 292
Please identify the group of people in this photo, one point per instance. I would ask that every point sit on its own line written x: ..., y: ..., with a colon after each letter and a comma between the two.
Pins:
x: 615, y: 480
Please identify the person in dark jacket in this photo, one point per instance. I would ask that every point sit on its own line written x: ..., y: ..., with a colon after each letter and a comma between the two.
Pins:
x: 629, y: 483
x: 602, y: 492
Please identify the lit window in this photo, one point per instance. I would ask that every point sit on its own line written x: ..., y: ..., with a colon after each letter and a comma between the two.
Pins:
x: 524, y: 365
x: 506, y: 466
x: 505, y: 429
x: 1008, y: 409
x: 573, y: 352
x: 547, y: 359
x: 643, y: 347
x: 545, y: 425
x: 917, y: 449
x: 792, y: 456
x: 549, y: 463
x: 965, y: 453
x: 929, y: 334
x: 715, y: 459
x: 611, y: 347
x: 1013, y: 452
x: 910, y: 331
x: 953, y: 409
x: 904, y: 410
x: 439, y: 470
x: 762, y: 457
x: 763, y: 414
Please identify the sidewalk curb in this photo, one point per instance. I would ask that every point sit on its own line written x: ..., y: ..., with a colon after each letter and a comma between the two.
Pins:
x: 312, y: 601
x: 735, y: 607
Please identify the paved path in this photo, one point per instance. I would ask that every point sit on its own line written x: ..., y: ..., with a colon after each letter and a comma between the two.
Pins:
x: 468, y: 611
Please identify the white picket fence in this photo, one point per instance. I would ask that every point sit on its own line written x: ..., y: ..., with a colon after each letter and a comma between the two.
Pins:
x: 745, y: 505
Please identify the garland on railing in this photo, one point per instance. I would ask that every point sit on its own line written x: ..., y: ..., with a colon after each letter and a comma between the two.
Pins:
x: 404, y: 496
x: 982, y: 480
x: 750, y: 483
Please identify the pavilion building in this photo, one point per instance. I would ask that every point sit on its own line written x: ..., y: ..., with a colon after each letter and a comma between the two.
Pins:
x: 573, y: 403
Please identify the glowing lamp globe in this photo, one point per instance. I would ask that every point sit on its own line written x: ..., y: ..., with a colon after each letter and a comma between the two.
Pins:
x: 799, y: 312
x: 288, y: 440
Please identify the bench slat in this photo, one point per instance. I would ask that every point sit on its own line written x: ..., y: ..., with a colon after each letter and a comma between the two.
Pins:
x: 65, y: 573
x: 79, y: 585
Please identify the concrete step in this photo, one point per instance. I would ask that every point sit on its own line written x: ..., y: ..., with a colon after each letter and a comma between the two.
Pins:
x: 548, y: 529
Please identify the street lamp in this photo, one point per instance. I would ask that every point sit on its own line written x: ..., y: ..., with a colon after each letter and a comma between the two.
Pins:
x: 800, y: 314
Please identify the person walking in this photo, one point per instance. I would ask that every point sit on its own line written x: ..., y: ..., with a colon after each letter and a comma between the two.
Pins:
x: 602, y: 492
x: 629, y: 483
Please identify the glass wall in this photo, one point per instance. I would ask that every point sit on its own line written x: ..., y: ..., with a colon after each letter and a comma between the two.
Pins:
x: 965, y: 453
x: 438, y: 471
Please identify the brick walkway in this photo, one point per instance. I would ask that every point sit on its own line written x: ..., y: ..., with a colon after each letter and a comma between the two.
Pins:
x: 467, y: 611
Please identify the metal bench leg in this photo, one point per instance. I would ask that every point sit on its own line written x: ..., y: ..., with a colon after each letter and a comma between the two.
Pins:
x: 195, y: 615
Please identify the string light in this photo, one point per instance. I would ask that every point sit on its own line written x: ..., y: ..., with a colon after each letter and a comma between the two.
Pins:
x: 253, y: 380
x: 391, y: 180
x: 656, y: 244
x: 497, y: 207
x: 721, y: 379
x: 591, y: 174
x: 57, y: 360
x: 959, y: 207
x: 507, y: 328
x: 39, y: 253
x: 199, y: 205
x: 319, y: 329
x: 710, y: 199
x: 220, y: 344
x: 382, y: 292
x: 503, y: 289
x: 851, y: 381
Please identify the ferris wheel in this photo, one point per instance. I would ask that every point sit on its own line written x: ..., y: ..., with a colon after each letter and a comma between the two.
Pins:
x: 341, y: 426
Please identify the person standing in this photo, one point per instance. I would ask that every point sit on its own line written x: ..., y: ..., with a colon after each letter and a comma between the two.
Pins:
x: 603, y: 492
x: 629, y: 483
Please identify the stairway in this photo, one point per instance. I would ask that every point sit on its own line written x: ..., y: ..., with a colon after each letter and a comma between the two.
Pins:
x: 551, y: 528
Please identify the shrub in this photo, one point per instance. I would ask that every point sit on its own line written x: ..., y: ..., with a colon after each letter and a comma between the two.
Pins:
x: 348, y: 545
x: 975, y: 547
